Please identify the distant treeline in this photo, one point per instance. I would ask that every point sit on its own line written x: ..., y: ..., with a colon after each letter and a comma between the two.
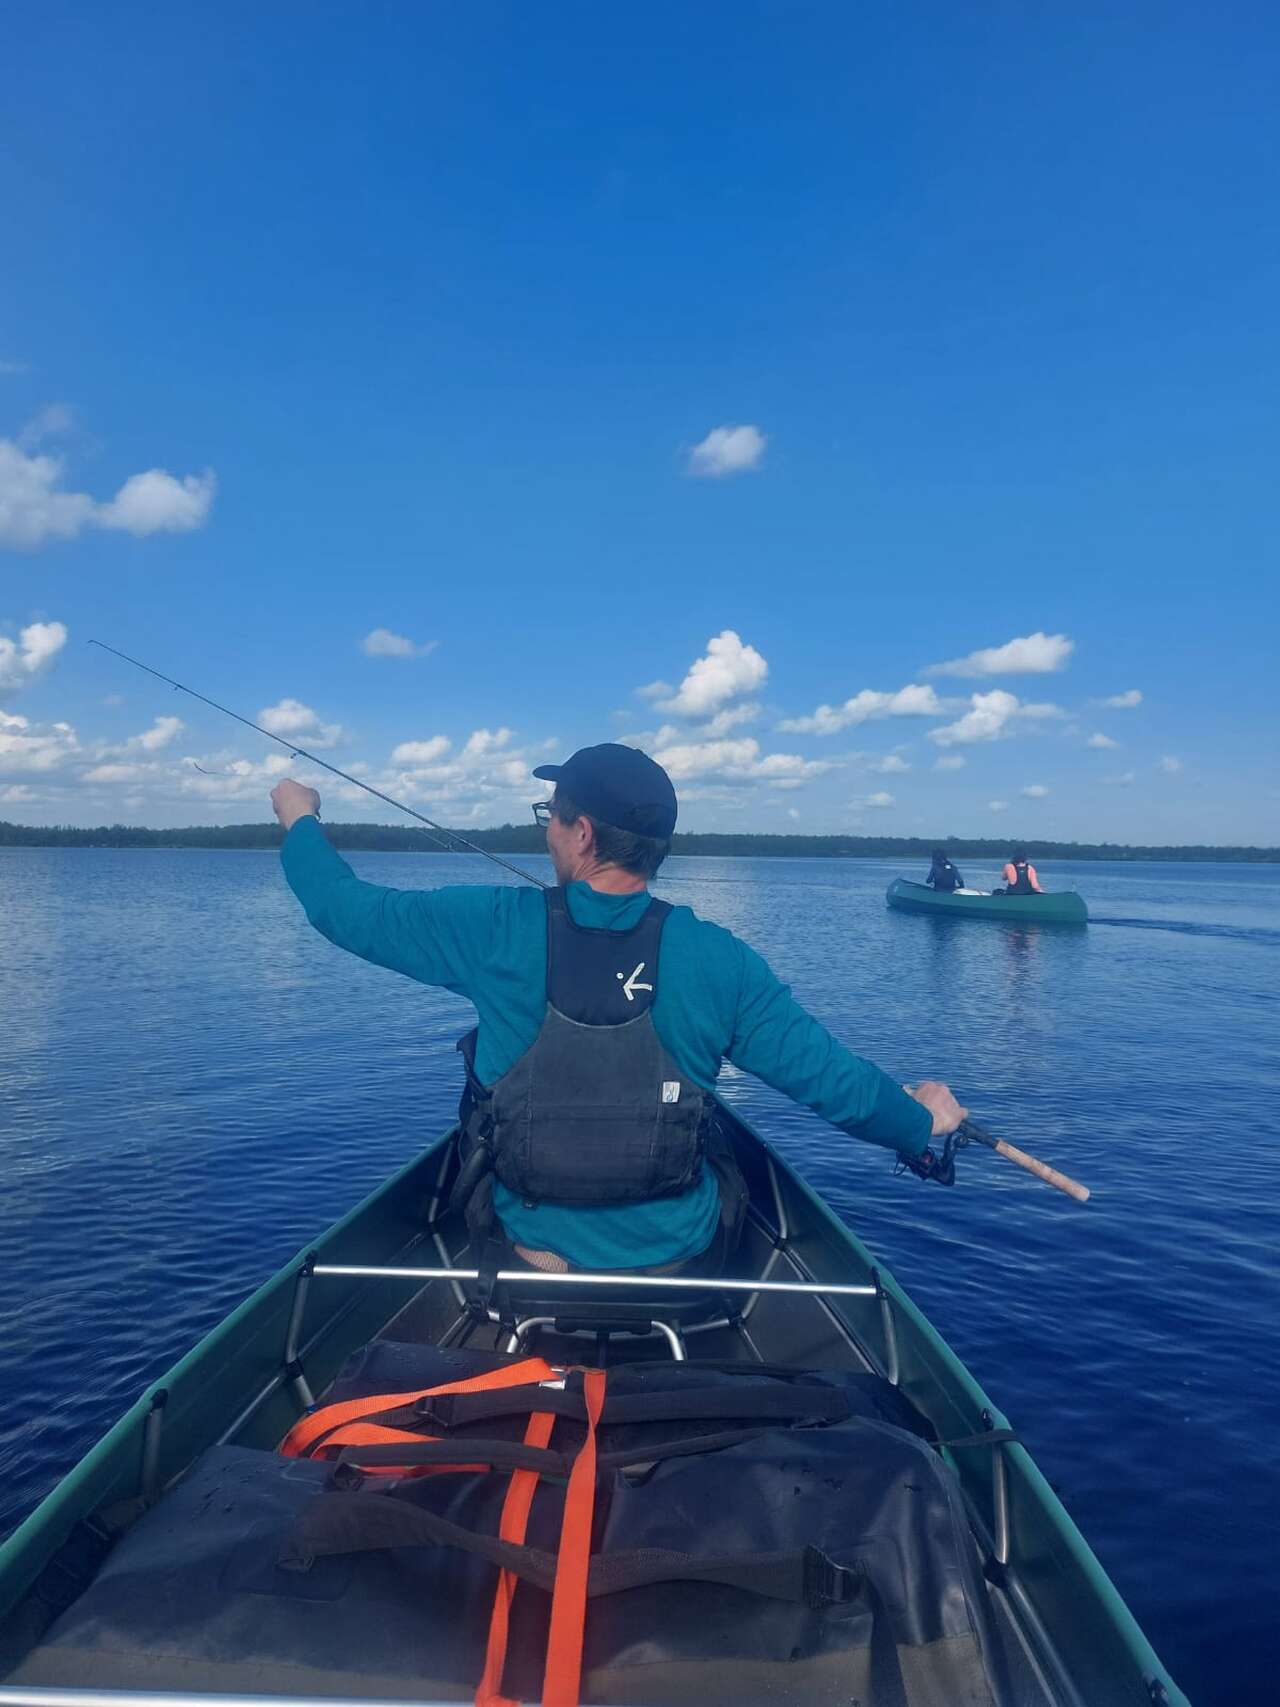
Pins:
x: 528, y: 839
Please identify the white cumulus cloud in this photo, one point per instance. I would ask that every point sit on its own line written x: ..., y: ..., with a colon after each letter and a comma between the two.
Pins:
x: 484, y: 742
x: 911, y: 701
x: 729, y: 667
x: 950, y: 762
x: 21, y: 661
x: 997, y: 806
x: 31, y: 508
x: 157, y: 502
x: 891, y: 765
x: 990, y: 715
x: 1123, y: 701
x: 161, y: 733
x: 289, y: 718
x: 382, y: 643
x: 727, y: 450
x: 739, y: 759
x: 420, y: 752
x: 25, y: 747
x: 730, y: 718
x: 116, y: 772
x: 34, y: 508
x: 1170, y: 765
x: 1035, y: 791
x: 1101, y: 743
x: 987, y: 717
x: 1036, y: 654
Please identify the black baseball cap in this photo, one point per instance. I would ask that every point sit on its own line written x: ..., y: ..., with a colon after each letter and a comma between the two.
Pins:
x: 618, y: 785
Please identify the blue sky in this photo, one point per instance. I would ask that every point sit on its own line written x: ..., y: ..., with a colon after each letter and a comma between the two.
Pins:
x: 781, y: 354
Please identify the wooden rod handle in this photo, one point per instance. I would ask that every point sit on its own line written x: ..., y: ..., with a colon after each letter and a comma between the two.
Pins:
x: 1043, y: 1171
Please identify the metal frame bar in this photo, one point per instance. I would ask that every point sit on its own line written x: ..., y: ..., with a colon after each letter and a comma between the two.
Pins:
x: 892, y: 1368
x: 667, y: 1282
x: 784, y: 1226
x: 999, y: 1498
x: 740, y: 1328
x: 149, y: 1478
x: 783, y: 1251
x: 437, y: 1237
x: 1000, y: 1505
x: 515, y: 1341
x: 272, y: 1386
x: 292, y: 1362
x: 28, y: 1695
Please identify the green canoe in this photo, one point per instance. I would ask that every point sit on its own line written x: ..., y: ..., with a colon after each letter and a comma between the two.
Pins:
x: 385, y: 1272
x: 1063, y: 908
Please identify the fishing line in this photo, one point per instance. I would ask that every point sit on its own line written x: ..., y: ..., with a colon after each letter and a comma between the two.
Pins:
x: 302, y: 753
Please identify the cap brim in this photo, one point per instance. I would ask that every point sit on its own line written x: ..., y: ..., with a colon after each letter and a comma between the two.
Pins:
x: 548, y: 773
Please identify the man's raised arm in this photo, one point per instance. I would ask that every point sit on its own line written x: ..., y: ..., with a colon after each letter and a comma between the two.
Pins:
x: 434, y: 935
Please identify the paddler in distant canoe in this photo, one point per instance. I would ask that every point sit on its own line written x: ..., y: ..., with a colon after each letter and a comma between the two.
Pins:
x: 943, y: 876
x: 1020, y: 876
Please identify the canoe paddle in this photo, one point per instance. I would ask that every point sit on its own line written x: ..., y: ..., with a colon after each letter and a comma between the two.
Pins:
x: 969, y: 1132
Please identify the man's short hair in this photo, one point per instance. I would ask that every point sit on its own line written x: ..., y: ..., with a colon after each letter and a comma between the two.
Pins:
x: 640, y: 855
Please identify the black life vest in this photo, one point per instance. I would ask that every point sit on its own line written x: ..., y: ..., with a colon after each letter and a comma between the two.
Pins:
x: 945, y: 878
x: 1023, y: 884
x: 595, y: 1111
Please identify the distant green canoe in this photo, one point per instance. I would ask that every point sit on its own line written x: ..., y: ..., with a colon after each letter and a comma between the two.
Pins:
x: 1063, y: 908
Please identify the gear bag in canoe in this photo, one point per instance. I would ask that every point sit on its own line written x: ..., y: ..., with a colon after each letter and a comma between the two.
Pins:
x: 657, y: 1533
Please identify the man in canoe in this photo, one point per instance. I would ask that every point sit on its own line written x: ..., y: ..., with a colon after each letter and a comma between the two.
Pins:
x: 587, y: 1119
x: 1020, y: 876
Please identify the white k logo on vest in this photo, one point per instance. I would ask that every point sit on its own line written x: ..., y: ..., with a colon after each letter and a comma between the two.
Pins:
x: 630, y: 987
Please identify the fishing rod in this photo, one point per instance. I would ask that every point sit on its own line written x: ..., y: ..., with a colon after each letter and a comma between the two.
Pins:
x: 969, y: 1132
x: 302, y: 753
x: 942, y: 1166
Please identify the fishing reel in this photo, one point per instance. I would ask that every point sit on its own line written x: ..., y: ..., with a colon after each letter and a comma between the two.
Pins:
x: 936, y: 1165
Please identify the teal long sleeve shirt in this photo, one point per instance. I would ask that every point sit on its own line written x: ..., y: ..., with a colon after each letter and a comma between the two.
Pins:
x: 716, y: 1000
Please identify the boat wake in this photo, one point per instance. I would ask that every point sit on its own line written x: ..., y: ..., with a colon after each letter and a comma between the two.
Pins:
x: 1188, y: 927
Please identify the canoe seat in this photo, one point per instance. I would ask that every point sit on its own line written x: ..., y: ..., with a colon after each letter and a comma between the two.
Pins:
x: 529, y: 1307
x: 603, y: 1317
x: 537, y: 1302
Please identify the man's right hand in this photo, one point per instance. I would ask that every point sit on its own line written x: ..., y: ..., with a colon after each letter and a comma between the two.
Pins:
x: 937, y: 1098
x: 292, y: 800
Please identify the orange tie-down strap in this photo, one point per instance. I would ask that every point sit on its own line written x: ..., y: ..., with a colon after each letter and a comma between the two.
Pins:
x: 321, y: 1433
x: 325, y: 1431
x: 563, y: 1675
x: 513, y: 1527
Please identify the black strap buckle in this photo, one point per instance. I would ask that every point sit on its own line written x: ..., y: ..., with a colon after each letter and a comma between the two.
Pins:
x: 436, y: 1412
x: 828, y: 1584
x: 345, y: 1478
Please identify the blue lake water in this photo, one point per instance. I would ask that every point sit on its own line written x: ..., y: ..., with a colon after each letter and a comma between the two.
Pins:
x: 193, y: 1084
